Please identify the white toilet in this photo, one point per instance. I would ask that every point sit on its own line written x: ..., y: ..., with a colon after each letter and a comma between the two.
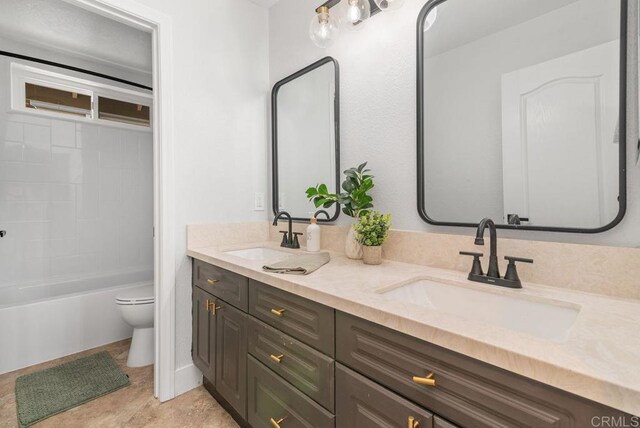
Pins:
x: 136, y: 306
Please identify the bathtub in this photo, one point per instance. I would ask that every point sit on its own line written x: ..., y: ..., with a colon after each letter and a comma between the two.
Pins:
x: 41, y: 322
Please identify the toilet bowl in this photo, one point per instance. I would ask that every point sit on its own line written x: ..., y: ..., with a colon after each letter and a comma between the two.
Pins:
x: 137, y: 308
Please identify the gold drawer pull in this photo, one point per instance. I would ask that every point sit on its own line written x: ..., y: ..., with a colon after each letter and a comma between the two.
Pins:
x: 212, y: 281
x: 276, y: 424
x: 428, y: 380
x: 276, y: 358
x: 215, y: 308
x: 207, y: 305
x: 277, y: 312
x: 412, y: 423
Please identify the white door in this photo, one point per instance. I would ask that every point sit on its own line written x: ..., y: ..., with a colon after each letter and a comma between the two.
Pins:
x: 559, y: 139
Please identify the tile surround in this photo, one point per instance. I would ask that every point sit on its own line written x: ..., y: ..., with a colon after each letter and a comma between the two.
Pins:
x: 71, y: 196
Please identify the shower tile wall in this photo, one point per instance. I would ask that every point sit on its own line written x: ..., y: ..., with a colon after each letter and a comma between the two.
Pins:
x: 75, y: 200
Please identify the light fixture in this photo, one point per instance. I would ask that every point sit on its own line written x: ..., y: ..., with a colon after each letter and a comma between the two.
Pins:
x: 386, y: 5
x: 353, y: 13
x: 323, y: 29
x: 431, y: 18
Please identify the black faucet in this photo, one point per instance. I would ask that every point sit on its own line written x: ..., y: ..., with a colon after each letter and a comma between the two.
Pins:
x: 511, y: 278
x: 290, y: 238
x: 494, y: 271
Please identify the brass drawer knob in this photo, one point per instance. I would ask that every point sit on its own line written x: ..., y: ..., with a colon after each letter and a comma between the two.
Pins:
x: 276, y: 424
x: 427, y: 380
x: 212, y: 281
x: 412, y: 422
x: 276, y: 358
x: 277, y: 312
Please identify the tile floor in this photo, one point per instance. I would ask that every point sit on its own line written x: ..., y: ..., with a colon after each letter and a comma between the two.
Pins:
x: 131, y: 407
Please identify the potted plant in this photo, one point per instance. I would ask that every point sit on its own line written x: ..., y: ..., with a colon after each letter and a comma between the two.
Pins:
x: 355, y: 201
x: 371, y: 231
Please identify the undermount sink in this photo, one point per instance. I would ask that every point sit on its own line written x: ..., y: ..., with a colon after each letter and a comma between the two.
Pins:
x: 545, y: 319
x: 259, y: 253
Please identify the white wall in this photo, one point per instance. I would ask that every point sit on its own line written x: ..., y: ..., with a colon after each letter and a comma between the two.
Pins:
x: 76, y: 199
x: 378, y: 109
x: 220, y: 72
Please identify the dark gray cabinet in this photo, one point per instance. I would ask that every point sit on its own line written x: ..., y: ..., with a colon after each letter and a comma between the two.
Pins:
x: 465, y: 391
x: 203, y: 333
x: 361, y: 403
x: 308, y: 370
x: 274, y: 366
x: 275, y: 402
x: 231, y: 356
x: 307, y: 321
x: 228, y: 286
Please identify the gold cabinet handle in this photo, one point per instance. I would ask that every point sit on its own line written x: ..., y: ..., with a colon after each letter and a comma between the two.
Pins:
x: 427, y: 380
x: 212, y: 281
x: 215, y: 308
x: 277, y: 312
x: 412, y: 423
x: 276, y: 358
x: 276, y: 424
x: 207, y: 305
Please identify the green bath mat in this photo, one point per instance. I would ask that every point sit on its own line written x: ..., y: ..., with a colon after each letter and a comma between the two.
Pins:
x: 48, y: 392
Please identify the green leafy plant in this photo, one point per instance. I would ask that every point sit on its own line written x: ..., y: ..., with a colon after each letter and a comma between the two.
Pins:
x: 372, y: 229
x: 354, y: 200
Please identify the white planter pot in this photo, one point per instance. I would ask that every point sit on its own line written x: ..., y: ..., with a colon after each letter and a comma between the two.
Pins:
x: 352, y: 248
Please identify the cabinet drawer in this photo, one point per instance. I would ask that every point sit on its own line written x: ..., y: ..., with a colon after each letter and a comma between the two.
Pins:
x: 467, y: 392
x: 362, y: 403
x: 310, y: 322
x: 272, y: 399
x: 305, y: 368
x: 229, y: 286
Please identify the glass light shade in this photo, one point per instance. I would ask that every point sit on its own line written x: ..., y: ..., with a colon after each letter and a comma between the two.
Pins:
x: 353, y: 13
x: 431, y: 18
x: 386, y: 5
x: 323, y: 30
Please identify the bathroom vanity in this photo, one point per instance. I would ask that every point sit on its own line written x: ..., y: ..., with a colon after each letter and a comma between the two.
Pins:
x: 275, y: 358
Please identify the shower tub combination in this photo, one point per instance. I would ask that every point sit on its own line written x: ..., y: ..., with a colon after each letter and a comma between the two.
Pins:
x: 41, y: 322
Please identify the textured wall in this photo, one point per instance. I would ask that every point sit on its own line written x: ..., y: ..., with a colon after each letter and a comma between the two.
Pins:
x: 378, y: 109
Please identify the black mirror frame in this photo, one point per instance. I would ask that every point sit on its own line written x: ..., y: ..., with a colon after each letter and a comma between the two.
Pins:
x: 622, y: 197
x: 274, y: 134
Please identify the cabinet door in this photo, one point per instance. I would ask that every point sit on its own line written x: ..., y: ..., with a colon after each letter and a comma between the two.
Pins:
x: 361, y: 403
x: 231, y: 356
x: 274, y: 402
x: 203, y: 348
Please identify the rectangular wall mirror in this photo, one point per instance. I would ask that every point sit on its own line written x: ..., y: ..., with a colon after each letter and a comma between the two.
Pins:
x: 305, y: 126
x: 521, y: 113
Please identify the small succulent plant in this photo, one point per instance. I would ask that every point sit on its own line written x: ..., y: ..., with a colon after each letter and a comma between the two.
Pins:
x: 372, y: 229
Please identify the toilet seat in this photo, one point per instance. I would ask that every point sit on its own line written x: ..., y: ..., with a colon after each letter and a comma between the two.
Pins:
x: 136, y: 296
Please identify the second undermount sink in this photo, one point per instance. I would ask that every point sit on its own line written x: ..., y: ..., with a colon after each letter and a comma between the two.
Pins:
x: 545, y: 319
x: 259, y: 253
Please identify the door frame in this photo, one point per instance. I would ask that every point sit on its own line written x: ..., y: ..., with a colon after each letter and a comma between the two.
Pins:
x: 139, y: 16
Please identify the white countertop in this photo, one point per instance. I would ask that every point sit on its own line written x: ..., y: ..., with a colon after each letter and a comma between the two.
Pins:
x: 600, y: 360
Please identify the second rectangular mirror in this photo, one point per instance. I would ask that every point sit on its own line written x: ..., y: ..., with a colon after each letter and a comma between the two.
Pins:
x: 305, y: 137
x: 522, y: 113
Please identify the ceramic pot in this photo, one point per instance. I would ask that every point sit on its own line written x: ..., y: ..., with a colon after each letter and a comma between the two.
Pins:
x: 352, y: 248
x: 372, y: 255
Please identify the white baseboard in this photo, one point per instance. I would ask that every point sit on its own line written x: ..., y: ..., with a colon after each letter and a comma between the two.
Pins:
x: 187, y: 378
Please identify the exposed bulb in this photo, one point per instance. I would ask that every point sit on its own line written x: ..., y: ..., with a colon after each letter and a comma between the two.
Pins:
x: 386, y: 5
x: 353, y: 12
x: 323, y: 29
